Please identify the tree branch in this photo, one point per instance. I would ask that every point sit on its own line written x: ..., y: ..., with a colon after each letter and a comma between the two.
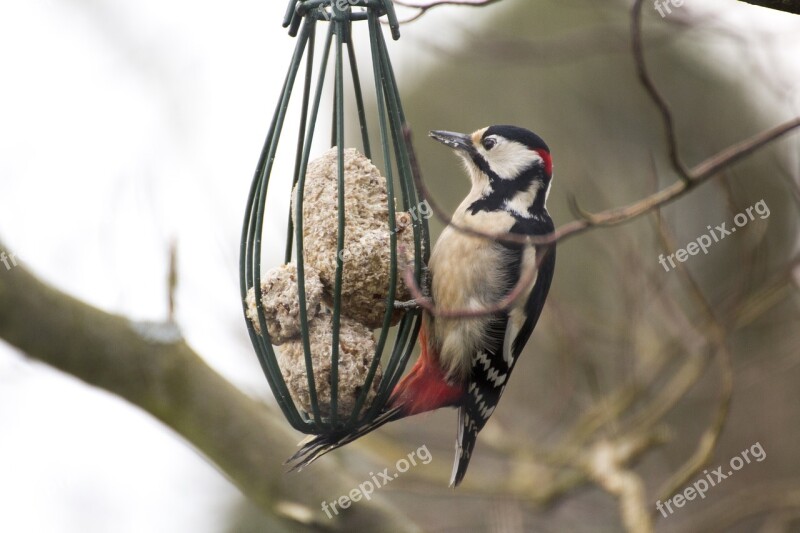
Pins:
x: 789, y: 6
x: 606, y: 464
x: 423, y: 7
x: 654, y: 93
x: 165, y: 377
x: 717, y: 335
x: 726, y: 513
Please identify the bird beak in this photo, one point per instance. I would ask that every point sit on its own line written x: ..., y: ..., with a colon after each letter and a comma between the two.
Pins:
x: 457, y: 141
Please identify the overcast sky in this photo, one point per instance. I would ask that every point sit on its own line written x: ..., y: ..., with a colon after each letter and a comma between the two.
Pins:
x: 123, y: 126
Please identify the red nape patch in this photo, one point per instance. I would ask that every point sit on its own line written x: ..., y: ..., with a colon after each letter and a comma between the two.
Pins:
x: 424, y: 388
x: 548, y: 161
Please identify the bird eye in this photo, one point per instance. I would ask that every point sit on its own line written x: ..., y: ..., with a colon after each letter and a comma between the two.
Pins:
x: 489, y: 143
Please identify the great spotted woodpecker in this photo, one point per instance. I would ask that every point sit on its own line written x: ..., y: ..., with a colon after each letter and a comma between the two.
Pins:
x: 466, y: 362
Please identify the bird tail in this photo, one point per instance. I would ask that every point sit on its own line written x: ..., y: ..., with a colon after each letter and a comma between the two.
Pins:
x: 423, y: 389
x: 318, y: 445
x: 465, y: 443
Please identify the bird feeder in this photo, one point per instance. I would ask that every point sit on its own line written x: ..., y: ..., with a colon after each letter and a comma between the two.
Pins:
x: 321, y: 293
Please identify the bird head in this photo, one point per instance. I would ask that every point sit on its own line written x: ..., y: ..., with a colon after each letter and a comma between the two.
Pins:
x: 509, y: 165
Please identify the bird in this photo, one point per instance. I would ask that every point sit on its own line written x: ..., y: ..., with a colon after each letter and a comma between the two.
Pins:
x: 465, y: 362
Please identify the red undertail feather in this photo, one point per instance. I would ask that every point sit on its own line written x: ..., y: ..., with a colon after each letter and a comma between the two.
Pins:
x: 425, y: 388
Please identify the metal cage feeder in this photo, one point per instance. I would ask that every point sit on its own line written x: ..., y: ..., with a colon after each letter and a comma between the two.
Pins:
x: 303, y: 17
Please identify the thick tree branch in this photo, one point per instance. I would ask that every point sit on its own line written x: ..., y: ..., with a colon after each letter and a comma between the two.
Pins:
x: 606, y: 462
x: 166, y: 378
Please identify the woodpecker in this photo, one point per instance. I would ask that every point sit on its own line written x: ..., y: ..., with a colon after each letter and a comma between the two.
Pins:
x: 466, y: 362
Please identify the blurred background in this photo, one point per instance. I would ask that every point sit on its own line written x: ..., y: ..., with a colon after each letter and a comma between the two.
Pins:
x: 127, y: 127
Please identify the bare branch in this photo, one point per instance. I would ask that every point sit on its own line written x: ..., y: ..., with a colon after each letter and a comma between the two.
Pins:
x: 172, y: 280
x: 652, y: 90
x: 605, y: 462
x: 423, y: 7
x: 717, y: 336
x: 724, y: 514
x: 789, y: 6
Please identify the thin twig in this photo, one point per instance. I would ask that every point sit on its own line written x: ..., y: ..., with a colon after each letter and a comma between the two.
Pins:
x: 652, y: 90
x: 710, y: 438
x: 726, y: 513
x: 172, y: 280
x: 423, y: 7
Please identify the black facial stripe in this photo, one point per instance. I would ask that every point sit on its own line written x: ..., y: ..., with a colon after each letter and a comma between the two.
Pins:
x: 483, y: 166
x: 504, y: 190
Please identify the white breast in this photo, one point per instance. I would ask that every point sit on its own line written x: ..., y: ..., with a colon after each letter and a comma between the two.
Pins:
x: 467, y: 274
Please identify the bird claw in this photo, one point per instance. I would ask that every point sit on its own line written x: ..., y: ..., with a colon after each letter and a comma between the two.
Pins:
x: 424, y: 288
x: 407, y: 306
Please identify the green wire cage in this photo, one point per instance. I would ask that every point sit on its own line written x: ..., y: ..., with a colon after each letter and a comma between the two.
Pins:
x: 334, y: 19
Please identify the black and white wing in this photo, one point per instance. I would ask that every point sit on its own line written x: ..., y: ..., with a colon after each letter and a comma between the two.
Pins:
x: 506, y: 337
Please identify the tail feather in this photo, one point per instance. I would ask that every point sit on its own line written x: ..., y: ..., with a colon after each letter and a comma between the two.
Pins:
x: 425, y: 388
x: 465, y: 443
x: 316, y: 447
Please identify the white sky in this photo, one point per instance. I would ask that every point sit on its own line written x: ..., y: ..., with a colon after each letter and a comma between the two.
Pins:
x: 122, y: 126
